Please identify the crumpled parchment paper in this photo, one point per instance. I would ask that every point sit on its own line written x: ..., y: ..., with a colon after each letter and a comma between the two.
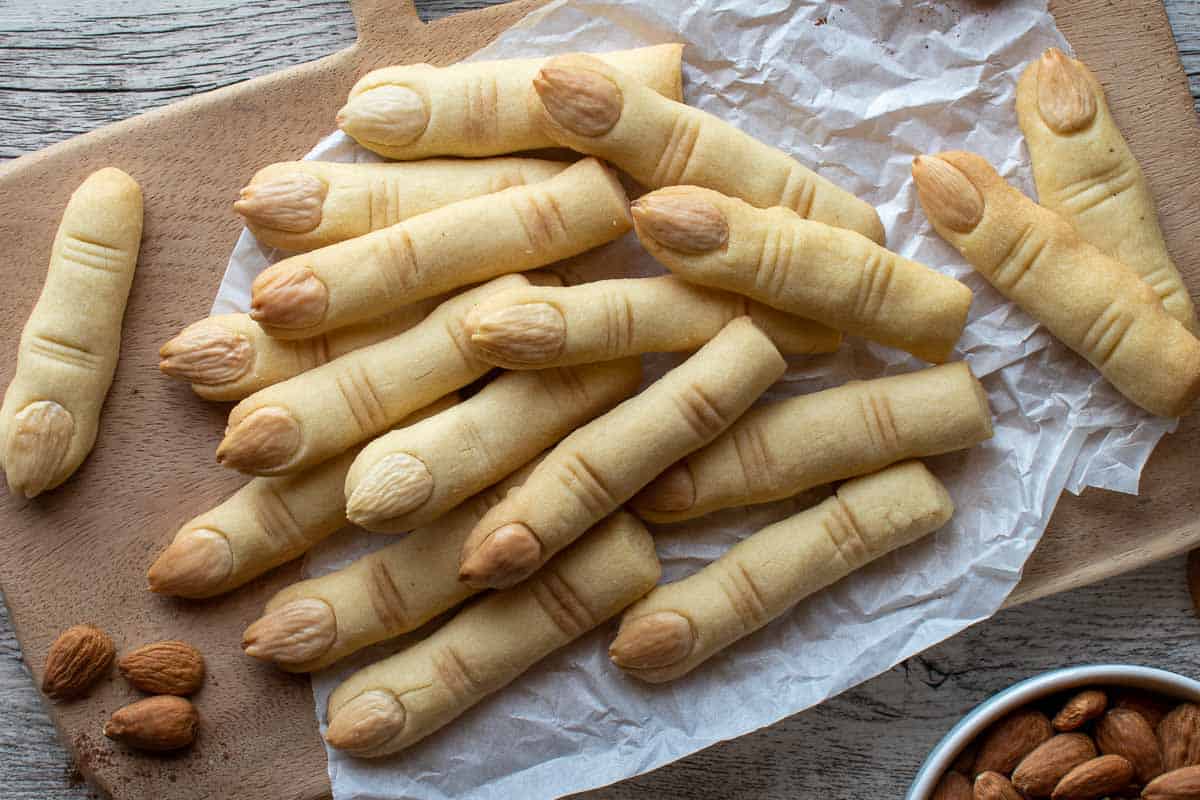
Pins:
x: 855, y: 89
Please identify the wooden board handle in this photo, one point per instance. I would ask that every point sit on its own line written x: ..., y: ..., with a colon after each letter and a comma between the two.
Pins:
x: 382, y: 21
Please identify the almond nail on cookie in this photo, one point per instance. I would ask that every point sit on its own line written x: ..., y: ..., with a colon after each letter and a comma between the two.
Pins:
x: 834, y: 276
x: 69, y: 346
x: 230, y: 357
x: 411, y: 476
x: 596, y: 108
x: 396, y: 702
x: 1094, y: 304
x: 604, y: 463
x: 482, y: 108
x: 680, y: 625
x: 313, y: 623
x: 267, y: 522
x: 539, y: 327
x: 326, y: 411
x: 783, y: 448
x: 513, y: 230
x: 1085, y: 171
x: 304, y: 205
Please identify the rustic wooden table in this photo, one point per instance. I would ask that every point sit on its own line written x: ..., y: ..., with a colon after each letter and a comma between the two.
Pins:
x: 74, y: 65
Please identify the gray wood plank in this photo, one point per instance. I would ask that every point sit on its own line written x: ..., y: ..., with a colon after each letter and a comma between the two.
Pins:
x: 70, y: 66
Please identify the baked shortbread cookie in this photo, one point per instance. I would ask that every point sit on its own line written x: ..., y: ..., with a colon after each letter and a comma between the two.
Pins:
x: 478, y: 108
x: 1094, y: 304
x: 1085, y: 171
x: 595, y: 108
x: 69, y: 347
x: 303, y: 205
x: 834, y: 276
x: 680, y: 625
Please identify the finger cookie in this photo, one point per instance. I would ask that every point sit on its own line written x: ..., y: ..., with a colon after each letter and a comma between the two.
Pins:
x: 401, y: 700
x: 595, y: 108
x: 1093, y: 303
x: 411, y: 476
x: 313, y: 623
x: 680, y: 625
x: 513, y: 230
x: 230, y: 357
x: 304, y: 205
x: 480, y: 108
x: 68, y: 349
x: 828, y: 274
x: 1085, y: 171
x: 604, y: 463
x: 539, y: 327
x: 267, y: 522
x: 326, y: 411
x: 779, y: 450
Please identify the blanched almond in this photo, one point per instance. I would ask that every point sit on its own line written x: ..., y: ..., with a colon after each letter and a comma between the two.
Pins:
x: 38, y: 439
x: 291, y: 203
x: 1065, y: 97
x: 946, y: 194
x: 582, y: 101
x: 681, y: 219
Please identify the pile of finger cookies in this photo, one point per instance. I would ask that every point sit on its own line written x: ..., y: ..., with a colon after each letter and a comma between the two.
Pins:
x: 414, y: 370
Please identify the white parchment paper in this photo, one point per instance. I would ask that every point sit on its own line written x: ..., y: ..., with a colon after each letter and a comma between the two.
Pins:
x: 855, y: 89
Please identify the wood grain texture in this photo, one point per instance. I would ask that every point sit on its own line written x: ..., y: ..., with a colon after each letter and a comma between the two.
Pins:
x: 78, y: 65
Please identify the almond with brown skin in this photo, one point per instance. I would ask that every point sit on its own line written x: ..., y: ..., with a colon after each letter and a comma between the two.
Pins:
x: 170, y: 667
x: 953, y: 786
x: 1040, y: 771
x: 1179, y: 784
x: 1179, y: 737
x: 1151, y: 706
x: 163, y: 722
x: 1080, y: 710
x: 78, y: 658
x: 994, y: 786
x: 1011, y: 739
x: 1094, y: 779
x: 1124, y: 732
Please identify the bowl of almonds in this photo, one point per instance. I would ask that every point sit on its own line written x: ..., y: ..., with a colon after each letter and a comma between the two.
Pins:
x: 1078, y: 733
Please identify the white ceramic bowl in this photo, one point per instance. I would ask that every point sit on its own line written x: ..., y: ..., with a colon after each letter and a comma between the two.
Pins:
x: 1033, y: 689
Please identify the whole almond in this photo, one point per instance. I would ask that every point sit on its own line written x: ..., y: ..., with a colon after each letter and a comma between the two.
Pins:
x: 78, y: 658
x: 1010, y: 740
x: 994, y: 786
x: 1151, y: 706
x: 170, y: 667
x: 1093, y: 779
x: 1123, y: 732
x: 965, y: 760
x: 1179, y: 784
x: 953, y: 786
x: 1179, y: 737
x: 163, y: 722
x: 1040, y: 771
x: 1080, y: 710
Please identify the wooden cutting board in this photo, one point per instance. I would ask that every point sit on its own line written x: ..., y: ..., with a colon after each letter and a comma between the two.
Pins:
x: 80, y: 553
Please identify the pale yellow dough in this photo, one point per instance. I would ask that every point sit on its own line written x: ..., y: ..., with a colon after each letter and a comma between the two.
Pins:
x: 267, y: 522
x: 680, y: 625
x: 1093, y: 303
x: 401, y: 700
x: 779, y: 450
x: 539, y: 327
x: 481, y: 108
x: 324, y: 412
x: 69, y: 347
x: 229, y: 357
x: 411, y: 476
x: 594, y: 108
x: 828, y: 274
x: 388, y: 593
x: 604, y: 463
x: 514, y: 230
x: 1085, y: 171
x: 303, y: 205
